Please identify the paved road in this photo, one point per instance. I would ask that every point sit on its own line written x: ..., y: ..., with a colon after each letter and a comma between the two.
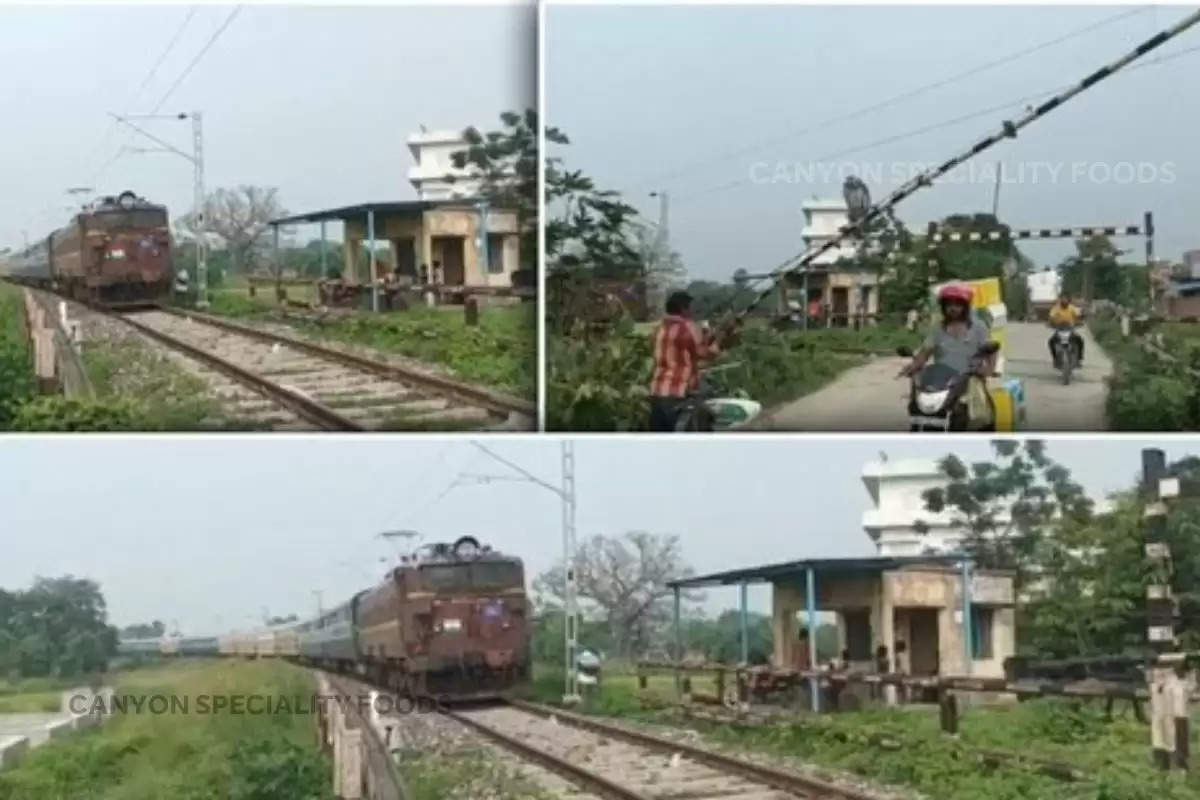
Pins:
x: 870, y: 398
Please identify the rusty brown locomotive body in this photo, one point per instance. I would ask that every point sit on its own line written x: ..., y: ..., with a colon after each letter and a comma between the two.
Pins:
x: 451, y: 622
x: 115, y: 251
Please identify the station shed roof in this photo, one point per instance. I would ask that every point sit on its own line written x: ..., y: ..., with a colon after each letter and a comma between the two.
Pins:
x: 836, y: 567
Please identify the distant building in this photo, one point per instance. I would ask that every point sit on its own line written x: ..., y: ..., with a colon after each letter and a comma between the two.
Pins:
x: 434, y: 175
x: 1191, y: 263
x: 899, y: 524
x: 822, y: 220
x: 842, y: 295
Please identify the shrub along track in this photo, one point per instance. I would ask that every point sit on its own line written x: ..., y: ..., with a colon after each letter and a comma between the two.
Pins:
x: 307, y: 386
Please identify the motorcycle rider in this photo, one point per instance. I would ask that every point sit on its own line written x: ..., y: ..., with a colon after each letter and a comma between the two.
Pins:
x: 1065, y: 313
x: 956, y: 340
x: 679, y: 347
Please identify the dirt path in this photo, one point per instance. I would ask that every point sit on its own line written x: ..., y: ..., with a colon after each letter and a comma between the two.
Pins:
x: 870, y: 398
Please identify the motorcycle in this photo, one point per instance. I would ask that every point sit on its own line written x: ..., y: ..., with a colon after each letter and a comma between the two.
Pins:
x: 937, y: 398
x: 704, y: 411
x: 1066, y: 357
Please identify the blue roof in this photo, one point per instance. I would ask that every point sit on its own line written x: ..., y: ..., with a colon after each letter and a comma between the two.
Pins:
x: 836, y: 566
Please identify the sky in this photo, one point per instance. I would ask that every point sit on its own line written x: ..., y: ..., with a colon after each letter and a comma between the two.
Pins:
x: 711, y: 105
x: 316, y: 101
x: 208, y: 532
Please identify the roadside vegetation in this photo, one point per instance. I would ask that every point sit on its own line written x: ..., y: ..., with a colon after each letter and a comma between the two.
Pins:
x: 1146, y: 392
x: 904, y: 749
x: 501, y: 352
x: 193, y: 756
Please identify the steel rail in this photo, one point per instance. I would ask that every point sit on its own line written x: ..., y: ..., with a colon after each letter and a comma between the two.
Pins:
x: 484, y: 398
x: 1008, y: 130
x: 317, y: 413
x: 775, y: 778
x: 573, y: 772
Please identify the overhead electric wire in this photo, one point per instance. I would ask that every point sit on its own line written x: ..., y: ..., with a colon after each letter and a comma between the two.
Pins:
x: 138, y: 93
x: 750, y: 148
x: 178, y: 81
x: 1008, y: 130
x: 946, y: 123
x: 188, y: 69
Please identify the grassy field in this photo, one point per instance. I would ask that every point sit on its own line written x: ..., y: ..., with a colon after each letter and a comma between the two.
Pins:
x: 185, y: 756
x: 905, y: 748
x: 501, y: 352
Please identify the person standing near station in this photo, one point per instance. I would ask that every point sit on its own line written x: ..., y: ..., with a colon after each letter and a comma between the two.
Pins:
x: 679, y: 347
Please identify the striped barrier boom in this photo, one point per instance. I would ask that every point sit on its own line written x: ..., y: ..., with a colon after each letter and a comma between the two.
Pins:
x: 1037, y: 233
x: 1008, y: 130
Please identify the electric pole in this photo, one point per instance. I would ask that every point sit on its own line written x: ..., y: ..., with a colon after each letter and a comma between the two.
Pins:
x: 197, y: 159
x: 996, y: 193
x: 320, y: 607
x: 566, y: 493
x: 1169, y: 692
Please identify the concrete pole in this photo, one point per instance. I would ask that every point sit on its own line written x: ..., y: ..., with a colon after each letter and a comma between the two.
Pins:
x: 201, y: 220
x: 1149, y: 231
x: 571, y: 610
x: 810, y: 587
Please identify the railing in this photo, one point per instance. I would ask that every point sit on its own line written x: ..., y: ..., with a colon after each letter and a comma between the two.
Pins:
x: 56, y: 358
x: 363, y: 768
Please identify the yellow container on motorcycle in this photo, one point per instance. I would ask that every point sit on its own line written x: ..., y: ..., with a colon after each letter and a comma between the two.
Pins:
x: 1008, y: 400
x: 987, y: 293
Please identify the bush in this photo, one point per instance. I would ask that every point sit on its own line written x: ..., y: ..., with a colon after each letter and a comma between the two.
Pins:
x: 58, y: 413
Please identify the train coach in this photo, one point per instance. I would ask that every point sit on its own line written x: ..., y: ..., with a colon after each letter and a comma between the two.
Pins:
x: 114, y: 252
x: 451, y: 621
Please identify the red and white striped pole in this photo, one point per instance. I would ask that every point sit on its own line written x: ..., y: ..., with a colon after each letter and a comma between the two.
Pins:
x: 1169, y: 692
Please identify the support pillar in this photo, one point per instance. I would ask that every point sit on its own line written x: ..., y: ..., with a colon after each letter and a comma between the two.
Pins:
x: 678, y: 659
x: 810, y: 586
x: 968, y: 628
x: 744, y: 626
x: 323, y: 246
x: 371, y: 260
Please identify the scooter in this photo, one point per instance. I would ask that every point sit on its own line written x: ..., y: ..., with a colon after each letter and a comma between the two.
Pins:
x: 1066, y: 357
x: 937, y: 399
x: 704, y: 412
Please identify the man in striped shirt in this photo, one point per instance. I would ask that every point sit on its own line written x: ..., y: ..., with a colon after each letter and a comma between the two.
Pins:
x: 678, y: 349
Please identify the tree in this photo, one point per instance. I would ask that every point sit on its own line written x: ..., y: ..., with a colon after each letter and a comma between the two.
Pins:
x: 290, y: 618
x: 57, y: 627
x: 623, y: 582
x: 1096, y: 270
x: 506, y: 162
x: 240, y: 218
x: 1007, y: 506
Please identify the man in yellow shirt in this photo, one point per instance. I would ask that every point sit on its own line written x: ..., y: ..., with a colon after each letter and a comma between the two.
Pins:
x: 1062, y: 314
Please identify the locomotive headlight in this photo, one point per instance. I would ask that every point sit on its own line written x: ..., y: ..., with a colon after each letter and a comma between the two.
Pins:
x: 449, y: 625
x: 126, y: 200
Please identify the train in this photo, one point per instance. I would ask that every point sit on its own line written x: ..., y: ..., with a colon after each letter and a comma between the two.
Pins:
x: 452, y: 621
x: 114, y: 252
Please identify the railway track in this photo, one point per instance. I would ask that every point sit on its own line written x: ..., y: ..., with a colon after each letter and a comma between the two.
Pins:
x: 299, y: 385
x: 328, y: 389
x: 623, y: 764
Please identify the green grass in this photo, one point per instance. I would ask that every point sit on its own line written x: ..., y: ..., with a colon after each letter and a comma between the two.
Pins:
x: 16, y: 356
x: 1113, y: 754
x: 501, y: 352
x: 192, y: 756
x: 31, y: 702
x: 469, y: 775
x: 163, y: 396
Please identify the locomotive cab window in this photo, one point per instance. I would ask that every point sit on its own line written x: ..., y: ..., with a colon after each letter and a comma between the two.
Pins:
x: 120, y: 220
x: 474, y: 575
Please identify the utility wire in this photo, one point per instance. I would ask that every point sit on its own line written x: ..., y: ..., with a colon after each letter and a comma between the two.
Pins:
x: 1008, y: 130
x: 188, y: 70
x: 178, y: 81
x: 145, y: 82
x: 935, y: 126
x: 889, y: 102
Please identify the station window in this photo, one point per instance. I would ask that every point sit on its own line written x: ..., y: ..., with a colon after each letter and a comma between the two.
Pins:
x: 495, y: 253
x: 981, y: 631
